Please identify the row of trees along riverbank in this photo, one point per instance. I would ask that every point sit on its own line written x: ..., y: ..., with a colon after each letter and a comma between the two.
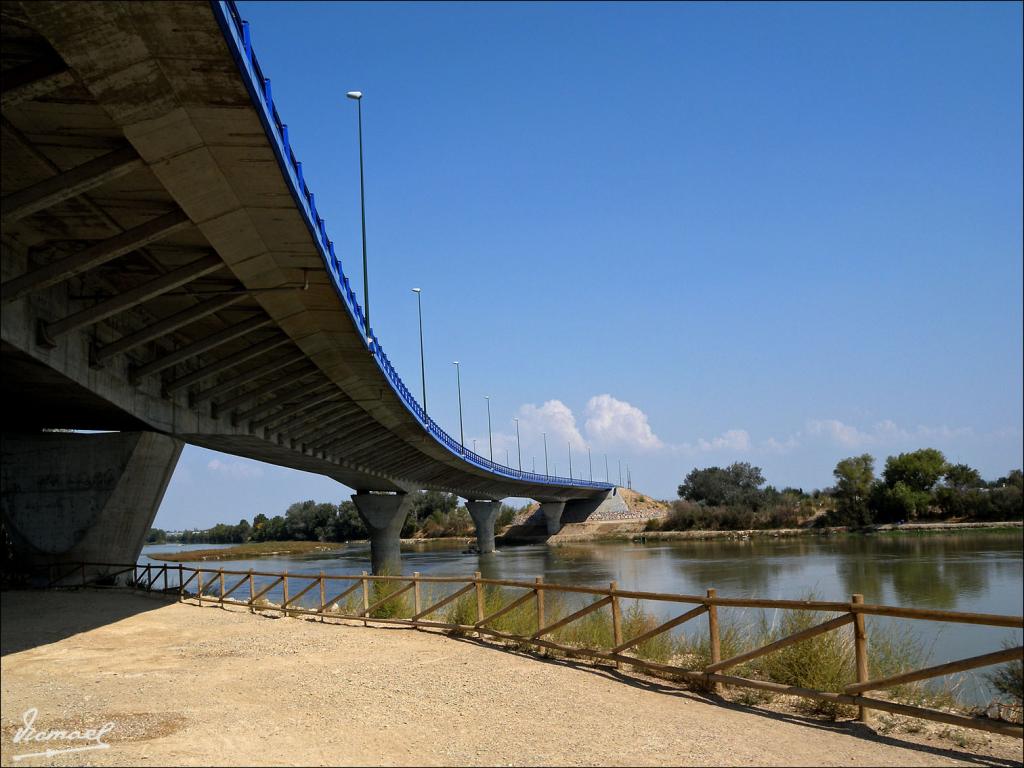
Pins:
x: 433, y: 515
x: 916, y: 486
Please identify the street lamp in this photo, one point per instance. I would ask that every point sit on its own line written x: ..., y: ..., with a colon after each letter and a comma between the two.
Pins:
x: 458, y: 383
x: 423, y: 369
x: 545, y: 436
x: 358, y: 97
x: 590, y: 462
x: 490, y: 439
x: 519, y: 445
x: 570, y: 460
x: 620, y: 473
x: 606, y: 475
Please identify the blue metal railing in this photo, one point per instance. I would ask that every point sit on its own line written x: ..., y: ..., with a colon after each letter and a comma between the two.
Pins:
x: 237, y: 34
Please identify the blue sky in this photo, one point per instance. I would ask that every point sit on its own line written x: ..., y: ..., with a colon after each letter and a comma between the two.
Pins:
x: 681, y: 235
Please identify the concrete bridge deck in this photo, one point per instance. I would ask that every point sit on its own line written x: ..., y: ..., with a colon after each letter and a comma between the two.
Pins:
x: 165, y: 268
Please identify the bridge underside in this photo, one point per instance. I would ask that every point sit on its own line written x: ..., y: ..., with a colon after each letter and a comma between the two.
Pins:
x: 159, y: 273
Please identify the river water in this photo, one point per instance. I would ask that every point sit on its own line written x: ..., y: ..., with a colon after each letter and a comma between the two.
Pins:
x: 974, y: 571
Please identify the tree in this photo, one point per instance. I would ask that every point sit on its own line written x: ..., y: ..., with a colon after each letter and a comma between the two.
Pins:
x: 737, y: 484
x: 918, y: 470
x: 854, y: 479
x: 962, y: 477
x: 347, y: 524
x: 156, y: 536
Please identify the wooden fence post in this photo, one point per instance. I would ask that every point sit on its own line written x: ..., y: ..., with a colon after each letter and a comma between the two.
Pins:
x: 252, y: 593
x: 860, y: 645
x: 165, y: 578
x: 366, y: 599
x: 199, y: 586
x: 540, y: 602
x: 479, y: 600
x: 284, y: 593
x: 181, y: 583
x: 416, y: 597
x: 322, y: 597
x: 220, y: 585
x: 149, y: 577
x: 713, y: 638
x: 616, y: 619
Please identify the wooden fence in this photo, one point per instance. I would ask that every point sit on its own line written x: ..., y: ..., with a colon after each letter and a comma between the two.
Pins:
x: 330, y: 590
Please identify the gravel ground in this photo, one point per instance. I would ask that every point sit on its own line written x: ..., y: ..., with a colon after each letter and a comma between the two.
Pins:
x: 186, y: 685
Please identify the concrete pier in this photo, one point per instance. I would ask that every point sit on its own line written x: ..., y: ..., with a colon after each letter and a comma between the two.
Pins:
x: 384, y: 515
x: 69, y: 497
x: 484, y: 513
x: 553, y: 515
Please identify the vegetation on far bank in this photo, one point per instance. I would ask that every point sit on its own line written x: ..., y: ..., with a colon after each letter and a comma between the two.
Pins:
x: 920, y: 486
x: 251, y: 549
x: 433, y: 515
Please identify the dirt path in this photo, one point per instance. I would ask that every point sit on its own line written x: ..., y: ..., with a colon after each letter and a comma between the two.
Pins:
x: 185, y: 685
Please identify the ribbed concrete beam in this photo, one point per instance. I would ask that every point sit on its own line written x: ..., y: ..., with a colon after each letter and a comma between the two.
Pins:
x: 200, y: 346
x: 292, y: 378
x: 101, y: 355
x: 50, y: 332
x: 325, y: 393
x: 325, y: 425
x: 35, y: 79
x: 64, y: 186
x: 269, y: 405
x: 243, y: 378
x: 93, y: 256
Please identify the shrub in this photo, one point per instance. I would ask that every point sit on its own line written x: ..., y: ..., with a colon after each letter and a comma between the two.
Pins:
x: 824, y: 662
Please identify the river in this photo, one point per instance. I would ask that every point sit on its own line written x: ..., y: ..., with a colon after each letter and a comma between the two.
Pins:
x: 975, y: 571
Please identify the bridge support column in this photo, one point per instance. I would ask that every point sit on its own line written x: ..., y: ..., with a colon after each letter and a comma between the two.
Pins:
x: 71, y: 498
x: 484, y: 513
x: 553, y: 515
x: 384, y: 515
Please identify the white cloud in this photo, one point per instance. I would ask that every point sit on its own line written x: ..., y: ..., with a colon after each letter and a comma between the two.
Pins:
x: 556, y: 419
x: 736, y: 440
x: 838, y: 432
x: 612, y: 422
x: 237, y: 469
x: 884, y: 432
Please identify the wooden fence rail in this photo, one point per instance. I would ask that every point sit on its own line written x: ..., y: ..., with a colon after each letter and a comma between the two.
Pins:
x: 708, y: 677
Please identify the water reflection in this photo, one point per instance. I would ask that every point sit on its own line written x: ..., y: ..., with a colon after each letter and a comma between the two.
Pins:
x: 977, y: 571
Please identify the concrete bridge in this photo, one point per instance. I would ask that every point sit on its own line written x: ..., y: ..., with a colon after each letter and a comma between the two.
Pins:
x: 166, y: 276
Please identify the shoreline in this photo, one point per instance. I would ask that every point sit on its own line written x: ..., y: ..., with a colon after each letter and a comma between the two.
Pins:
x: 632, y: 531
x: 600, y: 531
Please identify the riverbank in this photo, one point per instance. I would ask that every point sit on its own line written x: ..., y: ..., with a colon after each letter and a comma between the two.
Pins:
x: 245, y: 551
x: 634, y: 531
x: 185, y: 685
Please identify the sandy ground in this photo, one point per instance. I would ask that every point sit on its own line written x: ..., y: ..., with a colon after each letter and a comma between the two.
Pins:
x: 186, y: 685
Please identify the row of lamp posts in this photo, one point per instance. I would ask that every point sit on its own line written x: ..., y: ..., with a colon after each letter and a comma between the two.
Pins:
x: 357, y: 96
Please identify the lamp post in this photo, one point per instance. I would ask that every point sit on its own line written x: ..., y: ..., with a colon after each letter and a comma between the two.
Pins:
x: 358, y: 97
x: 545, y: 436
x: 606, y: 475
x: 570, y: 461
x: 590, y: 462
x: 458, y: 383
x: 620, y: 473
x: 490, y: 439
x: 423, y: 368
x: 519, y: 445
